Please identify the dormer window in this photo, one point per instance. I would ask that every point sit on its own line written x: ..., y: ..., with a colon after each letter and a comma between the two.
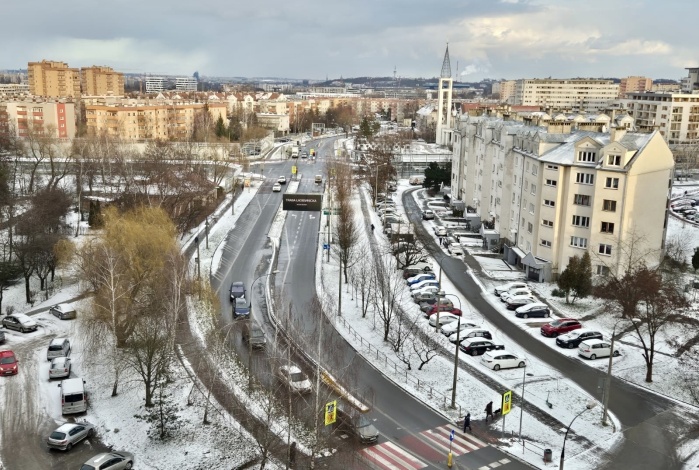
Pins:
x: 614, y: 160
x: 587, y: 156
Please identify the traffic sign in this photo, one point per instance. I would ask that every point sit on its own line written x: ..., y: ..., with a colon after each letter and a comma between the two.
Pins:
x: 330, y: 412
x: 451, y: 435
x: 293, y: 170
x: 326, y: 246
x: 506, y: 402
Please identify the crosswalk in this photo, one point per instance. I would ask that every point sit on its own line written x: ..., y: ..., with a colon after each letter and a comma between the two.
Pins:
x: 408, y: 452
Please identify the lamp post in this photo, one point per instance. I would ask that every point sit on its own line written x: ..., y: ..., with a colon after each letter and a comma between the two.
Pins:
x: 456, y: 354
x: 252, y: 286
x: 607, y: 384
x: 376, y: 182
x: 563, y: 450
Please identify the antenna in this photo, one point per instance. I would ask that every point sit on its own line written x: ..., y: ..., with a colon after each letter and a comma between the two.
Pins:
x: 394, y: 73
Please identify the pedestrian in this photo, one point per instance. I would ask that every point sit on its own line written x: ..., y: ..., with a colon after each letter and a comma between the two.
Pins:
x: 292, y: 453
x: 372, y: 228
x: 489, y: 412
x: 467, y: 422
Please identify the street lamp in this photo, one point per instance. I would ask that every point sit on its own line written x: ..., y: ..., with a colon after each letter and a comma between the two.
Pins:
x: 588, y: 407
x: 252, y: 286
x: 456, y: 355
x: 376, y: 182
x: 607, y: 384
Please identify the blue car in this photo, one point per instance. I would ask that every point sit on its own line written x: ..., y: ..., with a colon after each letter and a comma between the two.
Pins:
x: 241, y: 308
x: 420, y: 277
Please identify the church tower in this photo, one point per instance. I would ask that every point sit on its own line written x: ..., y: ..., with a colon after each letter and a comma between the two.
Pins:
x: 445, y: 120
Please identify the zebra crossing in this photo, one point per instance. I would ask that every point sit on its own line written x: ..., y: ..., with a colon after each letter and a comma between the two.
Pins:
x: 431, y: 445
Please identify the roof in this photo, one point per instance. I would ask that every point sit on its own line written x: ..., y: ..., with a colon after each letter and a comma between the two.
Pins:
x: 57, y: 341
x: 73, y: 386
x: 64, y: 307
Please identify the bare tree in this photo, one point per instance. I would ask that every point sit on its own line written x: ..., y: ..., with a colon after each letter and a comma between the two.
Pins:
x: 361, y: 277
x: 389, y: 292
x: 425, y: 348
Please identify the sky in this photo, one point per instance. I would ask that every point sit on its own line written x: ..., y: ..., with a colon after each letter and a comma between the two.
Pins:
x: 315, y: 39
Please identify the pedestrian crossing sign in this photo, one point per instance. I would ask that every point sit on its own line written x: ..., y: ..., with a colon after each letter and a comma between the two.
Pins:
x: 506, y: 402
x: 330, y: 412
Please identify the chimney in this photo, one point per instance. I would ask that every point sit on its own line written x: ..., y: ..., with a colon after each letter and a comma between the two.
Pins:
x: 616, y: 133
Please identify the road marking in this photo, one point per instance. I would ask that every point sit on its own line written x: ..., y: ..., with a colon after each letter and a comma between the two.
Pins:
x: 389, y: 456
x: 463, y: 443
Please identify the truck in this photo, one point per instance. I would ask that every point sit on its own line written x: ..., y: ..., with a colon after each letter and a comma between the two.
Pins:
x: 295, y: 151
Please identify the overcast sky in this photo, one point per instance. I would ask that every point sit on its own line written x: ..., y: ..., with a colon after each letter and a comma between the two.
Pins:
x: 318, y: 38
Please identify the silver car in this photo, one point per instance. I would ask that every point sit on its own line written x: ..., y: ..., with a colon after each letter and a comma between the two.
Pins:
x: 69, y: 434
x: 60, y: 368
x: 112, y: 460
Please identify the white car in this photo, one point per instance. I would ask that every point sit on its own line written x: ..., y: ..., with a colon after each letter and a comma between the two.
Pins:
x: 517, y: 301
x: 596, y: 348
x: 277, y: 187
x: 511, y: 293
x: 431, y: 289
x: 282, y: 180
x: 425, y: 283
x: 511, y: 285
x: 497, y: 360
x: 60, y: 367
x: 440, y: 231
x: 294, y: 378
x: 444, y: 318
x: 454, y: 337
x: 450, y: 329
x: 455, y: 249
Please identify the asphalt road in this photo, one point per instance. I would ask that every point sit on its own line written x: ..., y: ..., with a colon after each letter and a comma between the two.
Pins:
x: 652, y: 424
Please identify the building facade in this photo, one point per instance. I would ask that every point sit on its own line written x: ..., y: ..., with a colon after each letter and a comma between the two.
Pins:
x: 101, y: 81
x: 634, y: 85
x: 546, y: 194
x: 568, y: 95
x: 674, y: 115
x: 52, y: 79
x: 507, y: 90
x: 186, y: 83
x: 26, y: 118
x: 155, y: 84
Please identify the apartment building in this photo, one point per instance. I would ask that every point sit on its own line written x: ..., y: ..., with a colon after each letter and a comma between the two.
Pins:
x: 14, y: 89
x: 506, y: 89
x: 155, y: 84
x: 549, y: 193
x: 566, y: 95
x: 634, y: 85
x: 28, y: 117
x: 279, y: 123
x: 186, y: 83
x: 52, y: 79
x: 101, y: 81
x: 150, y: 119
x: 674, y: 115
x: 691, y: 82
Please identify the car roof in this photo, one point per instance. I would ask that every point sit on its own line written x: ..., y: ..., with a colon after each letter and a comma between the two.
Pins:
x: 500, y: 352
x: 580, y: 331
x: 521, y: 296
x: 20, y: 316
x: 57, y: 341
x: 590, y: 342
x: 58, y: 360
x: 471, y: 340
x: 468, y: 330
x: 6, y: 353
x: 292, y: 368
x: 67, y: 426
x: 534, y: 305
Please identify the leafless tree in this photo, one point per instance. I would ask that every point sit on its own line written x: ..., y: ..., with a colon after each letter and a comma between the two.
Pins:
x: 425, y: 348
x: 389, y: 292
x: 361, y: 274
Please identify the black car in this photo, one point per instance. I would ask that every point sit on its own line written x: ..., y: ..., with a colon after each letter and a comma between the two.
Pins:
x: 237, y: 290
x: 478, y: 346
x: 573, y: 339
x: 534, y: 310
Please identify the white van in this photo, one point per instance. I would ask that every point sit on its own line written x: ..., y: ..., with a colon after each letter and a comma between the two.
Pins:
x: 73, y: 396
x: 416, y: 180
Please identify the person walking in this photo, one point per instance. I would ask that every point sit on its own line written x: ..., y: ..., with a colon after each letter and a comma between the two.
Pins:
x: 489, y: 412
x: 372, y: 228
x: 467, y: 422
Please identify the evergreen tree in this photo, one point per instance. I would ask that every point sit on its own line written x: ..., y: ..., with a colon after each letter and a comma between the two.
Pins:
x: 695, y: 259
x: 566, y: 281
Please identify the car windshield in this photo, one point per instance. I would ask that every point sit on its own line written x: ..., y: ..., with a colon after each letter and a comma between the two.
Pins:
x: 363, y: 422
x: 59, y: 436
x: 87, y: 467
x: 557, y: 323
x: 241, y: 302
x: 7, y: 360
x: 298, y: 377
x: 58, y: 365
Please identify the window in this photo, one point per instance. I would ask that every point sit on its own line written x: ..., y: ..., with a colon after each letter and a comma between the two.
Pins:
x: 549, y: 203
x: 605, y: 249
x: 547, y: 223
x: 614, y: 160
x: 602, y: 270
x: 587, y: 156
x: 607, y: 227
x: 526, y: 185
x: 545, y: 243
x: 551, y: 182
x: 585, y: 178
x: 609, y: 205
x: 578, y: 242
x: 530, y: 227
x: 581, y: 200
x: 533, y: 189
x: 580, y: 221
x: 535, y: 169
x: 551, y: 167
x: 531, y: 207
x: 612, y: 183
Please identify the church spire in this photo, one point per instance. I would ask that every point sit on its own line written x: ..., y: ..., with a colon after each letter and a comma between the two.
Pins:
x: 446, y: 65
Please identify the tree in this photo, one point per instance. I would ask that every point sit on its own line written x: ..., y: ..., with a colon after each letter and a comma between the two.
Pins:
x: 436, y: 175
x: 389, y: 291
x: 368, y: 127
x: 10, y: 272
x: 567, y: 279
x: 577, y: 278
x: 346, y: 236
x: 695, y: 258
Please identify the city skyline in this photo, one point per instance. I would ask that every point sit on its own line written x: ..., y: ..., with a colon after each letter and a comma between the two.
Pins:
x: 507, y: 39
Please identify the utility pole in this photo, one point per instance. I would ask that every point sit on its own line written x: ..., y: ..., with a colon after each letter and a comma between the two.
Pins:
x: 206, y: 228
x: 196, y: 241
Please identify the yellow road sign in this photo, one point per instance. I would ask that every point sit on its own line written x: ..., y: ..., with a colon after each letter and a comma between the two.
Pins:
x: 506, y: 402
x: 330, y: 412
x: 293, y: 170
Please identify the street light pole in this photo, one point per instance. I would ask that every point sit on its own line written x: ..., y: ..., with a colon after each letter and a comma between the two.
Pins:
x: 456, y: 355
x: 607, y: 384
x: 563, y: 450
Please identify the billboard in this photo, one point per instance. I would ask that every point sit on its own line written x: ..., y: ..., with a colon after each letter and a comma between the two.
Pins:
x: 302, y: 202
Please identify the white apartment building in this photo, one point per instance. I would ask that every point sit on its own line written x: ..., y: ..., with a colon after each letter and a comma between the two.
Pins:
x: 185, y: 84
x: 579, y: 95
x: 549, y: 193
x: 674, y: 115
x: 155, y: 84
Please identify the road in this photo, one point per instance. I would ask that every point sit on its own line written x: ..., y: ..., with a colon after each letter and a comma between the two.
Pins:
x: 651, y: 423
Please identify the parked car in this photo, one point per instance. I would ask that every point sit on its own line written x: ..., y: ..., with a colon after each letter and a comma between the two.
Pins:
x: 419, y: 277
x: 60, y: 368
x: 559, y: 327
x: 428, y: 289
x: 475, y: 332
x: 510, y: 293
x: 254, y: 335
x: 425, y: 283
x: 8, y: 363
x: 574, y: 338
x: 509, y: 286
x: 237, y: 290
x: 427, y: 215
x: 595, y: 348
x: 294, y: 378
x: 450, y: 328
x: 532, y: 310
x: 358, y: 424
x: 478, y: 346
x: 497, y: 360
x: 19, y: 322
x: 63, y: 311
x: 58, y: 347
x: 517, y: 301
x: 455, y: 249
x: 282, y: 180
x: 443, y: 309
x: 410, y: 271
x: 69, y: 434
x: 440, y: 231
x: 421, y: 298
x: 112, y: 460
x: 444, y: 318
x: 427, y: 306
x: 241, y: 308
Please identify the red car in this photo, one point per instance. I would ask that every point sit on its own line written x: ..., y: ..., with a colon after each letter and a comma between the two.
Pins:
x: 443, y: 308
x: 559, y: 327
x: 8, y: 363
